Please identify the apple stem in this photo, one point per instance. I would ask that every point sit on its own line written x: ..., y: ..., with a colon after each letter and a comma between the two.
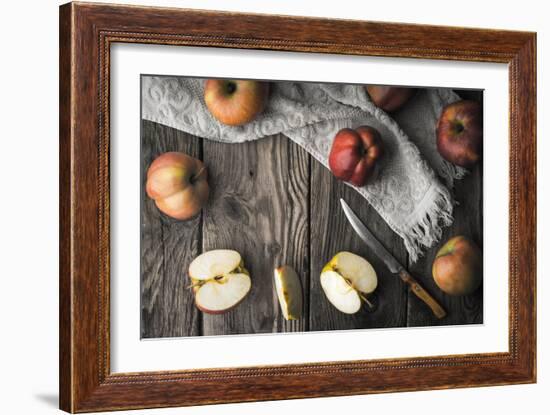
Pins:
x: 371, y: 306
x: 196, y: 176
x: 359, y: 293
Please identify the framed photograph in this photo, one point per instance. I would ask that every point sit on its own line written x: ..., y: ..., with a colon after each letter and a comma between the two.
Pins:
x: 260, y: 207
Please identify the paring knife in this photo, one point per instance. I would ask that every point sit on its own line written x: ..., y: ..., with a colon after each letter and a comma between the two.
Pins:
x: 392, y: 264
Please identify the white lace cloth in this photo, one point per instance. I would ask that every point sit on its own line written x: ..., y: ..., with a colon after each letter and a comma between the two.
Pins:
x: 406, y: 193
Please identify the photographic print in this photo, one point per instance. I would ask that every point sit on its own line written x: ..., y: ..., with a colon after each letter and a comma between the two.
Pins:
x: 313, y: 205
x: 285, y: 206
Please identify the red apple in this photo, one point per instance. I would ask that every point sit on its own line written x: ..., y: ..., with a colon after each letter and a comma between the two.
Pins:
x: 235, y: 102
x: 458, y: 266
x: 355, y: 153
x: 460, y: 133
x: 178, y: 185
x: 389, y: 98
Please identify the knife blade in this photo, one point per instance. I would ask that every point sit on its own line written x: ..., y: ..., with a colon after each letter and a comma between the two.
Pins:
x: 388, y: 259
x: 370, y: 239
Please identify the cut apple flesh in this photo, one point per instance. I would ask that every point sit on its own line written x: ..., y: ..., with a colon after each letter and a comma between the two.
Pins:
x: 357, y: 270
x: 340, y: 293
x: 211, y: 264
x: 219, y: 280
x: 289, y: 292
x: 345, y: 280
x: 220, y: 294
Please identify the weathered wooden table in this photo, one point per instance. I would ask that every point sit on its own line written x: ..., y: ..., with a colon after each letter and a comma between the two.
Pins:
x: 273, y: 203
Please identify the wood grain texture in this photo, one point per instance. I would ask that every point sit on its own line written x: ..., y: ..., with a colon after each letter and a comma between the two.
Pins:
x: 167, y: 247
x: 262, y: 200
x: 523, y: 202
x: 468, y: 221
x: 306, y: 34
x: 67, y: 381
x: 332, y: 233
x: 80, y: 197
x: 258, y: 207
x: 86, y: 33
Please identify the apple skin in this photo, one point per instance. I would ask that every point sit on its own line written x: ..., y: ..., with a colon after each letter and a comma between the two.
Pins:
x: 460, y: 133
x: 355, y: 154
x: 178, y: 184
x: 389, y: 98
x: 217, y: 312
x: 458, y: 266
x: 235, y: 102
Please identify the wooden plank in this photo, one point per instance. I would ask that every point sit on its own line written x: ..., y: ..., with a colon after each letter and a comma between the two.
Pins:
x: 167, y: 247
x: 468, y: 220
x: 330, y: 234
x: 258, y: 207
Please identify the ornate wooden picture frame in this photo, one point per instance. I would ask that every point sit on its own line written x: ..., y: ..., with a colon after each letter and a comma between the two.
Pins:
x: 87, y: 32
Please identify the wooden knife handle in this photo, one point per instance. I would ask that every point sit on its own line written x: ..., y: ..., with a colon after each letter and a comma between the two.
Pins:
x: 421, y: 293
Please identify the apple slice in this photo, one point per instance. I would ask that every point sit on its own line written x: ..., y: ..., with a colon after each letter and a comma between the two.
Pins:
x: 214, y: 263
x: 219, y: 280
x: 219, y: 295
x: 346, y: 279
x: 289, y: 291
x: 340, y: 293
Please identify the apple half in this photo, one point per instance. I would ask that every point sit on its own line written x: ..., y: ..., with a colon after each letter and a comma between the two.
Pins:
x: 219, y: 280
x: 346, y: 279
x: 289, y: 292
